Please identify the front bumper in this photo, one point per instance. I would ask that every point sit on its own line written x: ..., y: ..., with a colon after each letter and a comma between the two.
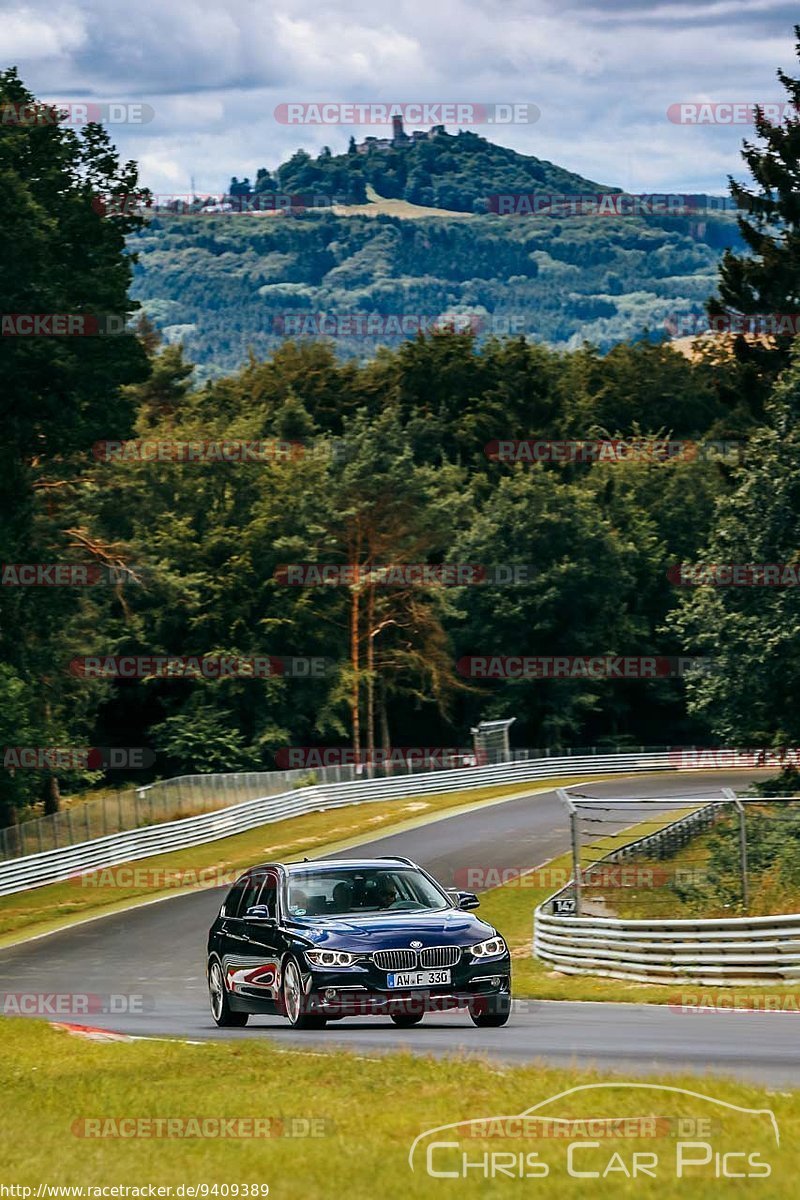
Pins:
x: 356, y: 991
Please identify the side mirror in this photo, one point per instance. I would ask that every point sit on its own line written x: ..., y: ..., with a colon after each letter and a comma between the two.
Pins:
x: 467, y: 900
x: 259, y: 912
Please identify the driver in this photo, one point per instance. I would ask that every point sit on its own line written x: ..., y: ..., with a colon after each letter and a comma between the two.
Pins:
x: 386, y: 893
x: 299, y: 903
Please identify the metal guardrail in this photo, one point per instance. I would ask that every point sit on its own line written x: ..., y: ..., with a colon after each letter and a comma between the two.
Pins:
x: 190, y: 795
x: 34, y: 870
x: 733, y: 951
x: 736, y: 951
x: 162, y: 801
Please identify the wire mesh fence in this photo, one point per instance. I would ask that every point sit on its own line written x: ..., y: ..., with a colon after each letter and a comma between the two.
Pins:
x: 704, y: 855
x: 191, y: 795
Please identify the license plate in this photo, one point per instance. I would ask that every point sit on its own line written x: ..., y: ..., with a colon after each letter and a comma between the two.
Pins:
x: 406, y: 979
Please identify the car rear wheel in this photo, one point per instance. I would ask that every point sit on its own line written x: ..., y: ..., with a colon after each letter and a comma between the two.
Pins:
x: 294, y: 1000
x: 221, y: 1011
x: 490, y: 1012
x: 406, y: 1020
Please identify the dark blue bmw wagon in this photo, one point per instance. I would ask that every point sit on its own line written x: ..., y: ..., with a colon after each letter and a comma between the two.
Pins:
x: 319, y: 941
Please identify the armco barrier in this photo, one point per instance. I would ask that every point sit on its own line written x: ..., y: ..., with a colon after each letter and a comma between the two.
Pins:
x: 733, y: 951
x: 736, y: 951
x: 181, y: 796
x: 34, y: 870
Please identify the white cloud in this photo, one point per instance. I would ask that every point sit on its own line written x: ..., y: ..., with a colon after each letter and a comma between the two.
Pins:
x: 32, y: 35
x: 603, y: 72
x: 326, y: 51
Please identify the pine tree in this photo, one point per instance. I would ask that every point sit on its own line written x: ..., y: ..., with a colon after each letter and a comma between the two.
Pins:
x: 768, y: 279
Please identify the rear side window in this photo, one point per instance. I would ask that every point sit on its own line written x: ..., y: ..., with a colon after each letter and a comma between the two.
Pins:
x: 251, y: 893
x: 234, y: 898
x: 269, y: 894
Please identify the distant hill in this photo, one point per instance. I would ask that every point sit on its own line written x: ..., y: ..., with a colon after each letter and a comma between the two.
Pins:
x: 436, y: 169
x: 413, y: 242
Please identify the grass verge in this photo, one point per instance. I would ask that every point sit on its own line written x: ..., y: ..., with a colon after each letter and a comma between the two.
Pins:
x: 55, y: 905
x: 366, y: 1113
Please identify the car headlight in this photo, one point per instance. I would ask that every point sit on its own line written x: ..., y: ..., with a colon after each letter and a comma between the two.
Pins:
x: 492, y: 948
x: 330, y: 958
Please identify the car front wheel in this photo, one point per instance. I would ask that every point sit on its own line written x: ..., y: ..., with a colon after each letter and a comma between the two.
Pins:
x: 294, y: 1001
x: 221, y: 1011
x: 490, y: 1012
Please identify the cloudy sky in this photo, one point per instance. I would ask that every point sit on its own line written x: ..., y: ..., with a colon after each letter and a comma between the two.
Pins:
x: 603, y: 75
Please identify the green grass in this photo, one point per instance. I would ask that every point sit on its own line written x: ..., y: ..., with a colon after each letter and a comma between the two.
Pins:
x: 773, y: 874
x: 54, y: 905
x: 381, y: 205
x: 369, y: 1112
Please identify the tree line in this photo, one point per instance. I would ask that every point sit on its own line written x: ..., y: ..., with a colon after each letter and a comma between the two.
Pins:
x: 390, y: 459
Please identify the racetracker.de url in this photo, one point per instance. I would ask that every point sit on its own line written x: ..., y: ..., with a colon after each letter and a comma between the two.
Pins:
x: 186, y: 1191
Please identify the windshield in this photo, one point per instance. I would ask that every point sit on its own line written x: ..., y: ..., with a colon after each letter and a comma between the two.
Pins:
x: 356, y: 891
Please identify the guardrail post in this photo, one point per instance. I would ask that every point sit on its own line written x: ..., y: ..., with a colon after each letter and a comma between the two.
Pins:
x: 576, y: 849
x: 730, y: 794
x: 743, y: 851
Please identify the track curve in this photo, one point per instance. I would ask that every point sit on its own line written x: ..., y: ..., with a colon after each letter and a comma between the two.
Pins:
x: 156, y: 952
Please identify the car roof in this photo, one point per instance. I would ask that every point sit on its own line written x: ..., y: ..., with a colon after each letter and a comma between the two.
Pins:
x: 313, y: 864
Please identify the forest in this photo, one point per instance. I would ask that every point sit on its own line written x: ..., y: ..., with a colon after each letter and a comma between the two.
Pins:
x: 182, y: 500
x: 434, y: 240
